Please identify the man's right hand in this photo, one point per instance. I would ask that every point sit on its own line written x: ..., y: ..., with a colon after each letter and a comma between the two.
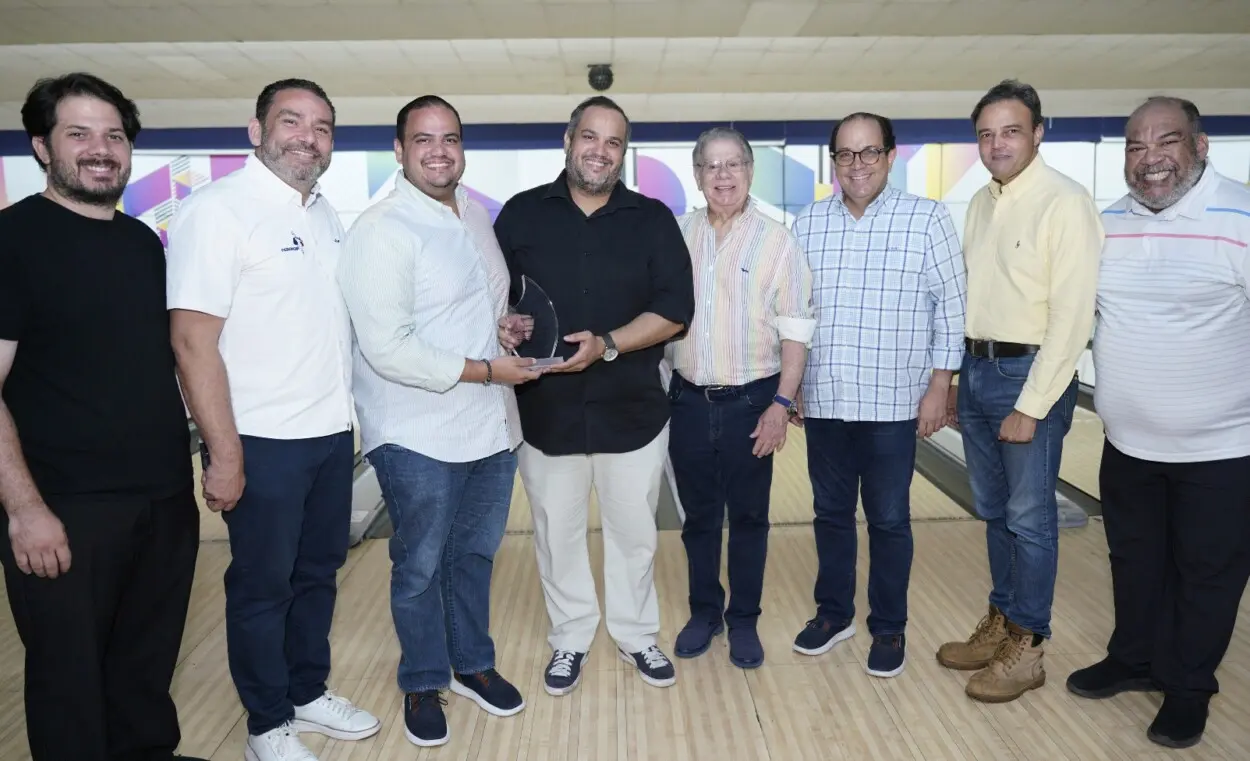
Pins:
x: 513, y: 371
x: 40, y: 545
x: 514, y: 329
x: 223, y: 483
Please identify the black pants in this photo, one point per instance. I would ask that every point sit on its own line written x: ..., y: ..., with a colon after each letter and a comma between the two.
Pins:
x: 1179, y: 537
x: 102, y: 640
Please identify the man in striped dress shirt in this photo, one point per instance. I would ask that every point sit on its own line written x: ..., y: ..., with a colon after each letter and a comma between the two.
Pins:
x: 889, y: 297
x: 735, y: 376
x: 1172, y: 364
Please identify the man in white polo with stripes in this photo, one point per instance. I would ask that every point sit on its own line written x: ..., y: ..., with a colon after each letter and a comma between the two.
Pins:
x: 1172, y: 364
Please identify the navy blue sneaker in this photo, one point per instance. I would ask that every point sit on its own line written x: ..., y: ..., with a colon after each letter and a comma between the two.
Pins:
x: 490, y: 691
x: 887, y: 655
x: 820, y: 636
x: 425, y: 724
x: 653, y: 666
x: 697, y: 637
x: 563, y: 672
x: 745, y: 649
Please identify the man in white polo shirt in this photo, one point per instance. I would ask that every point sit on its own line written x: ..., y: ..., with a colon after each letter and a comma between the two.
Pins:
x: 263, y: 343
x: 426, y: 286
x: 1172, y: 363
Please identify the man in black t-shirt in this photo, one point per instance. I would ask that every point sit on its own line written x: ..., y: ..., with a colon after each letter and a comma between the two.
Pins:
x: 95, y: 471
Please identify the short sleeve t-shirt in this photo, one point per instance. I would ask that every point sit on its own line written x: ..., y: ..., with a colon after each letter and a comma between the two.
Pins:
x: 93, y: 389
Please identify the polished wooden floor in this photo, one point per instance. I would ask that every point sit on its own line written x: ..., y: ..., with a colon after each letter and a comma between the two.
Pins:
x: 793, y: 709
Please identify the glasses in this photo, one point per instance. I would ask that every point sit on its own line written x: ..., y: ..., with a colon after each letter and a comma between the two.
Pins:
x: 869, y: 156
x: 734, y: 166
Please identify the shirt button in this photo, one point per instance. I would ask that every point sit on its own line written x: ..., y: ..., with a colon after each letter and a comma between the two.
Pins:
x: 585, y: 290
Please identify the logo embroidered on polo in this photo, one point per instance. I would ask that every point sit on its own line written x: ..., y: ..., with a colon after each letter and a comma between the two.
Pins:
x: 297, y: 244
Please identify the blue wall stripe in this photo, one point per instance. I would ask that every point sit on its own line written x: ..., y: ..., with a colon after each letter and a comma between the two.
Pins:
x: 532, y: 136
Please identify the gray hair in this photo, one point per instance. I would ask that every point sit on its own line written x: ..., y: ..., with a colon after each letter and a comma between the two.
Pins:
x: 721, y: 133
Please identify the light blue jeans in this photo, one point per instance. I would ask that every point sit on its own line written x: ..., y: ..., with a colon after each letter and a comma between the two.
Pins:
x: 1013, y: 486
x: 449, y: 519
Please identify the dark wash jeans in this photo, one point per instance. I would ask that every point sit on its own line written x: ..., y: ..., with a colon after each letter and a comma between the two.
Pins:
x: 710, y: 449
x: 1013, y: 486
x: 449, y: 519
x: 288, y: 540
x: 845, y: 458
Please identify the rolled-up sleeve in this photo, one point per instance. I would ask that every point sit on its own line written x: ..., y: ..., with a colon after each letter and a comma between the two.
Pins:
x: 375, y: 274
x: 672, y: 278
x: 947, y: 281
x: 794, y: 316
x: 204, y: 259
x: 1073, y: 242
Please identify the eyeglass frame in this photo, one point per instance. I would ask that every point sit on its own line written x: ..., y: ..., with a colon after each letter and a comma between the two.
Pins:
x: 708, y: 167
x: 881, y: 151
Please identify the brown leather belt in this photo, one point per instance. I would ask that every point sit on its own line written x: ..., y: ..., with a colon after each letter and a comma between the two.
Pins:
x: 990, y: 349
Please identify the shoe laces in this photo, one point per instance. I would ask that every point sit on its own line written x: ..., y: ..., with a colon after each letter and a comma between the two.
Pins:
x: 654, y: 658
x: 339, y: 705
x: 562, y: 663
x: 1009, y: 651
x: 985, y: 630
x: 892, y: 641
x: 417, y: 699
x: 286, y: 745
x: 818, y: 624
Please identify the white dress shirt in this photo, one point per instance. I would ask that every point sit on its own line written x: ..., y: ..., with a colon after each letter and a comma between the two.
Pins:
x: 1172, y: 341
x: 425, y: 290
x: 248, y: 249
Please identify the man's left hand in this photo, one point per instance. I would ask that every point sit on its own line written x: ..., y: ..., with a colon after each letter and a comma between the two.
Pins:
x: 1017, y: 428
x: 590, y: 351
x: 932, y: 412
x: 770, y: 431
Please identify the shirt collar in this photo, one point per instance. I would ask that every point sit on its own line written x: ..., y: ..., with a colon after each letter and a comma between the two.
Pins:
x: 887, y: 194
x: 1021, y: 182
x: 273, y: 187
x: 622, y: 197
x: 405, y: 188
x: 1191, y: 205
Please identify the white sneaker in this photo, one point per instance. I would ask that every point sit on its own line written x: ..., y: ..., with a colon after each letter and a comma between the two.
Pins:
x: 336, y: 717
x: 281, y: 744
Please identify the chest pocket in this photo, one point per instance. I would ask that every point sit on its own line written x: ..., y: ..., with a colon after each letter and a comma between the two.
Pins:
x: 901, y: 263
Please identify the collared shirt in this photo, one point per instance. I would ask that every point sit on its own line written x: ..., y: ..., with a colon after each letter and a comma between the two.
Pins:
x: 889, y: 294
x: 752, y: 291
x: 248, y: 249
x: 1032, y: 248
x: 425, y: 290
x: 1172, y: 344
x: 601, y: 272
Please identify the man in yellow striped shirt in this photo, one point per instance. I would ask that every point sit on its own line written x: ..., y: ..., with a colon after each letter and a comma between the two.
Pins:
x: 1032, y: 242
x: 735, y: 376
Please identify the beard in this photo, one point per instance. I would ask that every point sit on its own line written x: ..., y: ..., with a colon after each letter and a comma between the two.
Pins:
x: 64, y: 178
x: 1138, y: 188
x: 585, y: 184
x: 290, y: 168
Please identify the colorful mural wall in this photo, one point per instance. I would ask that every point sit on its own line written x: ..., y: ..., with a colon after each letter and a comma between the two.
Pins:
x: 787, y: 177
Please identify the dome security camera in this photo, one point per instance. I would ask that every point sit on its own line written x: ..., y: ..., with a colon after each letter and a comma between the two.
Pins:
x: 600, y: 77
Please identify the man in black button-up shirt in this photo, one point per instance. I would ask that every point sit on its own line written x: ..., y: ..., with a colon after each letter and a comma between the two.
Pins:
x: 617, y: 269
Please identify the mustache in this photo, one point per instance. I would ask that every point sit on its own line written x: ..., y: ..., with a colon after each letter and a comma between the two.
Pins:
x: 99, y: 161
x: 296, y: 145
x: 1158, y: 166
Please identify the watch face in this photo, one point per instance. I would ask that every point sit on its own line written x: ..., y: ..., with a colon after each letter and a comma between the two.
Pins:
x: 609, y: 355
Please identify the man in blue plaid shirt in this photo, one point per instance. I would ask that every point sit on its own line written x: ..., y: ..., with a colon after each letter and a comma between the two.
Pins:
x: 889, y: 295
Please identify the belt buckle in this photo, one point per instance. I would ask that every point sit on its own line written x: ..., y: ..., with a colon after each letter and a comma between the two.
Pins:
x: 989, y: 349
x: 707, y: 391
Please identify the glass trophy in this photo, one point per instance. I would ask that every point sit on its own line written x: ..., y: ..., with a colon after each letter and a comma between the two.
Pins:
x: 544, y: 339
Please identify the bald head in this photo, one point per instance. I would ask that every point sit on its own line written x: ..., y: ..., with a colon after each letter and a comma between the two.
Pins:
x: 1165, y: 151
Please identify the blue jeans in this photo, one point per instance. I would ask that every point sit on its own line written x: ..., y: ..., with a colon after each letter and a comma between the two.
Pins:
x: 288, y: 540
x: 1013, y: 486
x: 845, y: 458
x: 449, y: 518
x: 710, y: 447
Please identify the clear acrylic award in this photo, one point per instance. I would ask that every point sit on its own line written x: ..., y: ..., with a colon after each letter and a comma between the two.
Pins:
x: 544, y: 338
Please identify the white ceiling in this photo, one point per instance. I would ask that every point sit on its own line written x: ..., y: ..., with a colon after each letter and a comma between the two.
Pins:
x: 202, y: 62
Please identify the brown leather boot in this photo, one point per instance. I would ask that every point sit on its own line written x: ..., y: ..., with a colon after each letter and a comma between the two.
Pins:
x: 978, y: 650
x: 1016, y: 668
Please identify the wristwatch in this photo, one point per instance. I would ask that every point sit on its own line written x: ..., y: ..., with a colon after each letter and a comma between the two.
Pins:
x: 790, y: 406
x: 609, y: 352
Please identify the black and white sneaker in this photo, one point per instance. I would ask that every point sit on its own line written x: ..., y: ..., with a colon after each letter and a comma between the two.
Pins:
x: 653, y: 666
x: 564, y: 672
x: 425, y: 724
x: 489, y: 690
